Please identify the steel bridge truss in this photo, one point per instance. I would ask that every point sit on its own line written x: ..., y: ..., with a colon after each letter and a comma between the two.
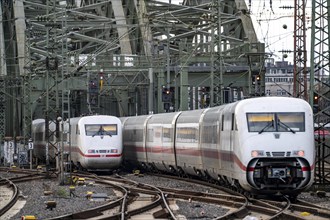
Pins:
x: 117, y: 57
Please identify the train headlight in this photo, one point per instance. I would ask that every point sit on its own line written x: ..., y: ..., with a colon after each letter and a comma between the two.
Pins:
x: 257, y: 153
x: 299, y: 153
x: 114, y: 151
x: 91, y: 151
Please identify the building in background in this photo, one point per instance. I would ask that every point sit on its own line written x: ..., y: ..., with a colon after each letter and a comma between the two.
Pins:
x: 279, y: 78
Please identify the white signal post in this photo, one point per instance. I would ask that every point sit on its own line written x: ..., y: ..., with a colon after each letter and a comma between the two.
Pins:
x: 30, y: 145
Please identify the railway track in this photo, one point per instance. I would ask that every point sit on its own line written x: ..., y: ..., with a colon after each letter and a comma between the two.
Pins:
x: 147, y: 197
x: 9, y: 195
x: 9, y: 190
x: 262, y: 209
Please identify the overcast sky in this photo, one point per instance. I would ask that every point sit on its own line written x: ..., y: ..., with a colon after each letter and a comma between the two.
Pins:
x: 275, y: 25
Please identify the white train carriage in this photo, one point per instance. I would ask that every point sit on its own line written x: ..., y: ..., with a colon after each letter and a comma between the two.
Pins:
x: 264, y: 145
x: 96, y: 141
x: 187, y: 142
x: 134, y: 139
x: 160, y: 140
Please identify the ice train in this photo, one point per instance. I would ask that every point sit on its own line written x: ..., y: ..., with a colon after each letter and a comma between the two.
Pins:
x: 96, y: 141
x: 263, y: 145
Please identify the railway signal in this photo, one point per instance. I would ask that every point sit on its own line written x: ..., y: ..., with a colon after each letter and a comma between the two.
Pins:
x: 167, y: 95
x: 315, y: 102
x: 256, y: 79
x: 93, y: 90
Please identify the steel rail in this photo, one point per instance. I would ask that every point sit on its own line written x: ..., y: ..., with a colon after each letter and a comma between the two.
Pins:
x: 13, y: 200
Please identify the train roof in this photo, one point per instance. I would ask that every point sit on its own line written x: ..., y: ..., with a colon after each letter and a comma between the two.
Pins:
x: 38, y: 121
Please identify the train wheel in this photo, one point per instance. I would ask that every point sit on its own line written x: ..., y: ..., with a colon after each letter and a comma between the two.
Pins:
x: 181, y: 173
x: 293, y: 198
x: 78, y: 166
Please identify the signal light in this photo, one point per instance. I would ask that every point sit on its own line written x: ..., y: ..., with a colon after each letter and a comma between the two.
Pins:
x: 101, y: 80
x: 256, y: 79
x: 166, y: 95
x: 315, y: 103
x: 315, y: 99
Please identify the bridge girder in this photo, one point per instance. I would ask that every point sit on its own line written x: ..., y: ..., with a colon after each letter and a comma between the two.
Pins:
x: 128, y: 43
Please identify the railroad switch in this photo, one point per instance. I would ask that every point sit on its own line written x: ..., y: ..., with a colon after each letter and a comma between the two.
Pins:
x: 50, y: 205
x: 89, y: 194
x: 39, y: 167
x: 75, y: 179
x: 72, y: 189
x: 81, y: 181
x: 136, y: 172
x: 28, y: 217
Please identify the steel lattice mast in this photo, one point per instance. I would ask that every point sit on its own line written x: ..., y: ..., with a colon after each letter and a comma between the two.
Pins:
x: 320, y: 86
x: 300, y: 53
x: 216, y: 70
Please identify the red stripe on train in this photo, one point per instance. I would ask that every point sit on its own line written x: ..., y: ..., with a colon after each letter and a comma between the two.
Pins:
x: 224, y: 155
x: 98, y: 155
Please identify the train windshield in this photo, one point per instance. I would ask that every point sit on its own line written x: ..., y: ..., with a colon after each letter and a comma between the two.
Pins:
x: 101, y: 129
x: 276, y: 122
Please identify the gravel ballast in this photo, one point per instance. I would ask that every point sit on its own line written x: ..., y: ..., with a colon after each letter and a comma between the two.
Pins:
x: 34, y: 194
x: 66, y: 203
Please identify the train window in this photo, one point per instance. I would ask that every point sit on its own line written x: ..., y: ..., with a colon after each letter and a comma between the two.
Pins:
x: 276, y: 122
x: 100, y: 129
x: 138, y: 135
x: 187, y: 135
x: 261, y: 122
x: 110, y: 129
x: 167, y: 134
x: 291, y: 121
x: 39, y: 136
x: 65, y: 136
x: 150, y: 135
x: 232, y: 121
x: 222, y: 121
x: 133, y: 134
x: 77, y: 130
x: 209, y: 134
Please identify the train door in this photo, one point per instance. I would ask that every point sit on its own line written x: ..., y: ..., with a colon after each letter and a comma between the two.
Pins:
x: 232, y: 131
x: 209, y: 140
x: 225, y: 141
x: 219, y: 144
x: 153, y: 143
x: 173, y: 135
x: 146, y: 135
x: 188, y: 151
